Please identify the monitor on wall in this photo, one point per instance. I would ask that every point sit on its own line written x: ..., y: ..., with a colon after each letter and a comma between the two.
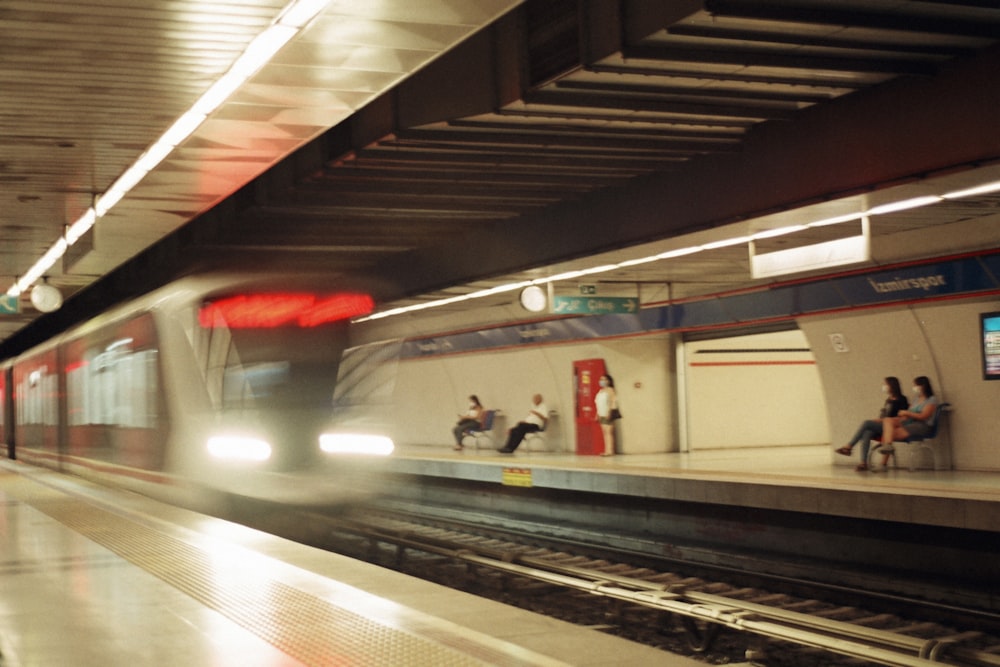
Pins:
x: 989, y: 332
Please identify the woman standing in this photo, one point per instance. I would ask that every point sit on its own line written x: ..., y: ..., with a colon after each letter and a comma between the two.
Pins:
x: 606, y: 402
x: 470, y: 419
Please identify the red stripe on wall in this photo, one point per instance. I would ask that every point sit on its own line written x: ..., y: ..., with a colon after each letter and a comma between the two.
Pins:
x: 753, y: 363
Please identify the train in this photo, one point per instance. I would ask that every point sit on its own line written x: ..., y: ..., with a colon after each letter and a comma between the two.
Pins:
x: 222, y: 383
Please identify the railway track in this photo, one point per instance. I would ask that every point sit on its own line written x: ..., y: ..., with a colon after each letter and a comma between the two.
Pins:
x: 724, y: 620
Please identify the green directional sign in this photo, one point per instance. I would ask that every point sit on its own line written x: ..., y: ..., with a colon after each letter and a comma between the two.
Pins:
x: 9, y: 305
x: 594, y: 305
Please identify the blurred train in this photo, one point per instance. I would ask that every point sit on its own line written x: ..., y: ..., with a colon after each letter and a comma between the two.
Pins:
x: 217, y: 383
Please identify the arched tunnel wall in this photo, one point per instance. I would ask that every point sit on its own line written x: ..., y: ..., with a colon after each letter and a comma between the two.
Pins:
x: 939, y: 340
x: 922, y: 332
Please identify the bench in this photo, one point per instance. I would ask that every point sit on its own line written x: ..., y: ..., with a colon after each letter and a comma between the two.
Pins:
x: 540, y: 438
x: 485, y: 432
x: 935, y: 441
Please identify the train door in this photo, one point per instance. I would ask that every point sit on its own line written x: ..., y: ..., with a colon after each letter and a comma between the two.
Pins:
x: 6, y: 412
x: 752, y: 391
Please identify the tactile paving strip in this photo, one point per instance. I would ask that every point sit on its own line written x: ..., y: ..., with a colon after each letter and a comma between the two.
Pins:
x: 309, y: 629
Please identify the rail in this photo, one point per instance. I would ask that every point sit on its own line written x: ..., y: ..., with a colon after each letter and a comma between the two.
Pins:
x: 850, y: 639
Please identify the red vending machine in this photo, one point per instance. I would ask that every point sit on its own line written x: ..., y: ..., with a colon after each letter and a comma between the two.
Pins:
x: 586, y: 373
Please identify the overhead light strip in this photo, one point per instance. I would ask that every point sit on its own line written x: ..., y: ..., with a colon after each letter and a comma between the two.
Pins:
x: 881, y: 209
x: 984, y: 189
x: 292, y: 19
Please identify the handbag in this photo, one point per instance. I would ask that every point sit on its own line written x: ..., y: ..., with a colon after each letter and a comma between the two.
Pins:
x: 615, y: 414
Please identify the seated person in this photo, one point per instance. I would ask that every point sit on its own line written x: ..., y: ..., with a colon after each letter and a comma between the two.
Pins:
x: 471, y: 419
x: 871, y: 429
x: 538, y: 416
x: 910, y: 423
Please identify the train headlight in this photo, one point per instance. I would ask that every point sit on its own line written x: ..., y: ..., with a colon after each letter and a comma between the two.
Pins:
x: 239, y: 448
x: 356, y: 443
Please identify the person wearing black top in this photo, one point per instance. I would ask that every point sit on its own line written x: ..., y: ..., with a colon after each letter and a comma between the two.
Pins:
x: 871, y: 429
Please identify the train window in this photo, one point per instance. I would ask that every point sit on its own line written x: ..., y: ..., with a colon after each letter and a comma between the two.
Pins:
x: 245, y: 383
x: 112, y: 376
x: 276, y: 367
x: 36, y: 389
x: 113, y: 394
x: 265, y: 350
x: 282, y: 309
x: 248, y: 368
x: 219, y: 347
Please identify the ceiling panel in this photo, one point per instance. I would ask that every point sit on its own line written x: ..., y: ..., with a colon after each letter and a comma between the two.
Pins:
x: 315, y: 158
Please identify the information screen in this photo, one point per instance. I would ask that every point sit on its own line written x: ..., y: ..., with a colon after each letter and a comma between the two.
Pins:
x: 990, y: 332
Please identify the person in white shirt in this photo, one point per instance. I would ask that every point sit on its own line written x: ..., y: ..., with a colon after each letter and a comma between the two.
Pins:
x: 538, y: 417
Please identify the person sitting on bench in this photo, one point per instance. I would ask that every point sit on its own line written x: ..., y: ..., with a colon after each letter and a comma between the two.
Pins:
x: 467, y: 421
x: 871, y: 429
x: 912, y: 423
x: 538, y: 416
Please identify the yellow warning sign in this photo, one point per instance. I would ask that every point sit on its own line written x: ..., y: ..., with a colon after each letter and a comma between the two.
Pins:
x: 516, y: 477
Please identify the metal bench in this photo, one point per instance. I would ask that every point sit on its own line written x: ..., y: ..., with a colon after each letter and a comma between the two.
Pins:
x: 935, y: 441
x: 540, y: 438
x: 485, y: 432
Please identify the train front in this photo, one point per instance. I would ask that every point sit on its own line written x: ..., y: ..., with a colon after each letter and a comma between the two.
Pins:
x: 272, y: 398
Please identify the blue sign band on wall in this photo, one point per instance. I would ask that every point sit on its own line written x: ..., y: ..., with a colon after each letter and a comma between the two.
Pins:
x: 967, y: 275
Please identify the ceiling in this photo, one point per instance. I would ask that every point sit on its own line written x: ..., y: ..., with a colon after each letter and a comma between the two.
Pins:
x: 452, y: 145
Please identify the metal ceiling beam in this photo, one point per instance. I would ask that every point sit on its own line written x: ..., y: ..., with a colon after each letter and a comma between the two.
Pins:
x: 561, y: 98
x: 416, y: 185
x: 790, y: 59
x: 667, y: 91
x: 666, y: 120
x: 799, y: 39
x: 492, y: 144
x: 545, y: 140
x: 336, y: 204
x: 856, y: 143
x: 987, y: 4
x: 855, y: 16
x: 386, y: 218
x: 518, y: 158
x: 813, y: 79
x: 367, y: 176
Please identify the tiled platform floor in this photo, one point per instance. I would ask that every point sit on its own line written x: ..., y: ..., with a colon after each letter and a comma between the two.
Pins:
x: 92, y: 577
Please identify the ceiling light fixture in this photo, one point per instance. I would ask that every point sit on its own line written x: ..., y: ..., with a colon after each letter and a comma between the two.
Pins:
x: 904, y: 205
x: 635, y: 262
x: 679, y: 252
x: 836, y: 220
x: 848, y: 251
x: 986, y: 188
x: 823, y: 255
x: 292, y: 19
x: 81, y: 226
x: 780, y: 231
x: 725, y: 243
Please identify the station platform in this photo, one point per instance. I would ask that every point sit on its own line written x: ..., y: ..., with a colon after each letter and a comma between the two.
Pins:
x: 789, y: 478
x: 98, y: 577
